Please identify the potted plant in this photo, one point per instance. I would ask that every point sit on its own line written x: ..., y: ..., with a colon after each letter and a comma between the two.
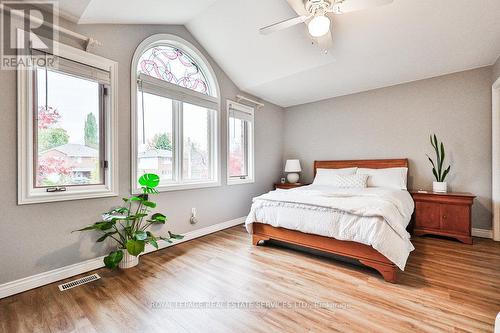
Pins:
x: 128, y: 226
x: 437, y: 167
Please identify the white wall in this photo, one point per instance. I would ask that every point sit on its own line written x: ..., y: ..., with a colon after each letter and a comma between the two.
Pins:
x: 396, y: 122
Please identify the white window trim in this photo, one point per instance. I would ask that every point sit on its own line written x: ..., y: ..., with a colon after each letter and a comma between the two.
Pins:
x: 214, y: 103
x: 27, y: 194
x: 251, y: 144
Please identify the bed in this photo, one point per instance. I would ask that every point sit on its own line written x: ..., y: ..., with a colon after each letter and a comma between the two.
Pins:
x: 368, y: 225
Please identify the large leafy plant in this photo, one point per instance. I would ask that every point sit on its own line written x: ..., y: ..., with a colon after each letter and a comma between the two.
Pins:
x: 128, y: 224
x: 437, y: 167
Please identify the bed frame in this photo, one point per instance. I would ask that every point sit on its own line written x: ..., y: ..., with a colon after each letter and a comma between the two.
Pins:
x: 364, y: 254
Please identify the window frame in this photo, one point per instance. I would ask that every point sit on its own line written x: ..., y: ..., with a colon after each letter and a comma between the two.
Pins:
x: 182, y: 95
x: 250, y: 144
x: 28, y: 193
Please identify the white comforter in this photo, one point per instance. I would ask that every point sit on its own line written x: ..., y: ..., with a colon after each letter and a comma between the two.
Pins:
x: 373, y: 216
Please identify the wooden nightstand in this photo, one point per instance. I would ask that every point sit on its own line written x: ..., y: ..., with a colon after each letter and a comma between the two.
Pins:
x: 287, y: 186
x: 445, y: 214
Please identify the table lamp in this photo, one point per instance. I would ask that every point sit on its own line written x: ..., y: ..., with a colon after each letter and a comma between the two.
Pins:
x: 292, y: 167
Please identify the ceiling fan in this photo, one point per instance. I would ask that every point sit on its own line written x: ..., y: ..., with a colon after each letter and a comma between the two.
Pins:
x: 318, y: 14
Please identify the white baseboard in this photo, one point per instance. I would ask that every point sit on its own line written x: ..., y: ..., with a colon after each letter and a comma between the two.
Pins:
x: 34, y: 281
x: 483, y: 233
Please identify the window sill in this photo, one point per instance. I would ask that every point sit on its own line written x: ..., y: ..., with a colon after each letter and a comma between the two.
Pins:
x: 43, y: 197
x: 182, y: 187
x: 240, y: 181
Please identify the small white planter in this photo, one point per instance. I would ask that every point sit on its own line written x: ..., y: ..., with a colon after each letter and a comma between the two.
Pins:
x: 440, y: 187
x: 128, y: 260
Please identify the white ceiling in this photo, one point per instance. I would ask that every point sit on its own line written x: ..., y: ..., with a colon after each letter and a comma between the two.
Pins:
x: 406, y: 41
x: 133, y: 11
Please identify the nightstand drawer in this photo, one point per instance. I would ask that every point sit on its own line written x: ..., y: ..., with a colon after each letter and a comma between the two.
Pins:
x: 455, y: 218
x: 427, y: 215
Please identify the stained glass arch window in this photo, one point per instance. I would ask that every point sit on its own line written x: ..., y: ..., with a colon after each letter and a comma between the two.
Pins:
x: 174, y: 65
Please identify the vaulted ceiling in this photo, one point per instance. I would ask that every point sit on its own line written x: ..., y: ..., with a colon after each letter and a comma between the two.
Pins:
x: 405, y: 41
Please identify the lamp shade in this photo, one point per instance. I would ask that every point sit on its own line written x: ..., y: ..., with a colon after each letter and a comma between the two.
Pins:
x: 292, y: 166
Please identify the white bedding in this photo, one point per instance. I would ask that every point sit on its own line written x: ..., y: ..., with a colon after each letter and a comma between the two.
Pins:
x: 373, y: 216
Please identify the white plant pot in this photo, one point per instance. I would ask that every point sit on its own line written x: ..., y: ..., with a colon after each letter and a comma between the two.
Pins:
x: 128, y: 260
x: 440, y: 187
x: 292, y: 177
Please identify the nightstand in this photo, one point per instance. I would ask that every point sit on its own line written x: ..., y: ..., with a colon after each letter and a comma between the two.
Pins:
x: 444, y: 214
x: 287, y: 186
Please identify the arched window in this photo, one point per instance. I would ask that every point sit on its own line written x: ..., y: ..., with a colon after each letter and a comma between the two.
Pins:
x: 175, y: 115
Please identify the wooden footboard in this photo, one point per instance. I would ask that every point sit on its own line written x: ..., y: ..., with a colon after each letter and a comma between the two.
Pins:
x: 365, y: 254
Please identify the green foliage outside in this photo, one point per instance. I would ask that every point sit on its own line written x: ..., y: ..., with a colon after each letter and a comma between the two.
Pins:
x: 91, y: 132
x: 161, y: 141
x: 51, y: 137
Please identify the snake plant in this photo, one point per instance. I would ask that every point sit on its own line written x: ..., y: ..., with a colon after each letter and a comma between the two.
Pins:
x: 127, y: 225
x: 437, y: 167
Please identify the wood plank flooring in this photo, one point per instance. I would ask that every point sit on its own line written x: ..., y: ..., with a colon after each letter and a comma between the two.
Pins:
x: 236, y: 287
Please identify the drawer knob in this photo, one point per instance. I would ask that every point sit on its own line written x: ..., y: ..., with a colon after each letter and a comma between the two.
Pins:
x: 444, y: 217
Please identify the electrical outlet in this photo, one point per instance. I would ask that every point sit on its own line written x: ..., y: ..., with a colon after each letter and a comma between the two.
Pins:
x: 193, y: 219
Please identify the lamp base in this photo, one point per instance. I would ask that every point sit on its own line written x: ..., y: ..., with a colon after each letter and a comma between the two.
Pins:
x: 292, y: 177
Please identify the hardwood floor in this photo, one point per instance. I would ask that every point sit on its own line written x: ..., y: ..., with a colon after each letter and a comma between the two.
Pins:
x: 447, y: 287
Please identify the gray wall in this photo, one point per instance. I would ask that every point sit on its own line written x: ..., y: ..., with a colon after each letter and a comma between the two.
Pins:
x: 496, y: 70
x: 396, y: 122
x: 37, y: 238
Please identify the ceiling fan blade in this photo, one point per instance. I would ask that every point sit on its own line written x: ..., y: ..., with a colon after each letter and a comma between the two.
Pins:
x: 355, y: 5
x: 283, y: 25
x: 298, y: 6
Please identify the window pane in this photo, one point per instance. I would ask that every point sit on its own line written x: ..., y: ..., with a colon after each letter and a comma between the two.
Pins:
x: 155, y: 137
x: 196, y: 142
x: 68, y: 126
x: 237, y: 147
x: 173, y: 65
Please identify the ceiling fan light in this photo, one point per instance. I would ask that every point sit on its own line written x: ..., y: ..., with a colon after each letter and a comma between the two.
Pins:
x: 319, y: 26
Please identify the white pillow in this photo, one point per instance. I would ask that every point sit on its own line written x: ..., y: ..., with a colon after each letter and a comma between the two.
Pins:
x: 325, y: 176
x: 349, y: 181
x: 389, y: 177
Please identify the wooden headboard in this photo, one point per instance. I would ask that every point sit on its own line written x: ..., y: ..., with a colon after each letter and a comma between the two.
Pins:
x: 372, y: 164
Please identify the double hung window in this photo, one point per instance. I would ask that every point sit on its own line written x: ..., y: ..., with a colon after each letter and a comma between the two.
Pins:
x: 240, y: 143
